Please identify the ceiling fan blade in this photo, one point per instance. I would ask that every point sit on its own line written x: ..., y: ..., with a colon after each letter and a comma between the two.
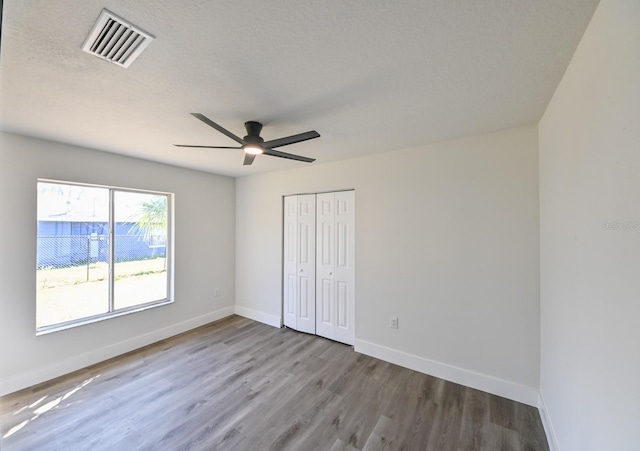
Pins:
x: 277, y: 153
x: 248, y: 158
x: 221, y: 129
x: 291, y: 139
x: 207, y: 147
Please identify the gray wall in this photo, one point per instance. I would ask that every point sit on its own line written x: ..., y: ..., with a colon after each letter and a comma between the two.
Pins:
x: 447, y: 239
x: 204, y: 257
x: 590, y: 239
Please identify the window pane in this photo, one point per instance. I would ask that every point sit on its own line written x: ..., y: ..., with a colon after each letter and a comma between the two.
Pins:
x: 73, y: 253
x: 140, y: 238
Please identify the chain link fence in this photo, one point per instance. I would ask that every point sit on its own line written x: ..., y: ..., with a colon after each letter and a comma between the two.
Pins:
x: 91, y: 252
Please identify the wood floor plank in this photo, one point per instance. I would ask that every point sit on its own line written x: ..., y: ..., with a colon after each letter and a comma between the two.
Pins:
x: 416, y: 418
x: 500, y: 438
x: 532, y: 432
x: 474, y: 416
x: 448, y: 417
x: 384, y: 435
x: 240, y: 385
x: 339, y: 445
x: 355, y: 425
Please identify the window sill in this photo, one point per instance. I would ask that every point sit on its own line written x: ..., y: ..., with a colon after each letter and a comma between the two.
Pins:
x: 44, y: 330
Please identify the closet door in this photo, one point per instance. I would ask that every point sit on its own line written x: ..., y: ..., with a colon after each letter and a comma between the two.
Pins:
x: 306, y: 262
x: 299, y: 284
x: 335, y: 292
x: 325, y: 263
x: 290, y: 270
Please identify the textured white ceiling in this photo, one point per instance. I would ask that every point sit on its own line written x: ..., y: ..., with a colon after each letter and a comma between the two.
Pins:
x: 369, y: 75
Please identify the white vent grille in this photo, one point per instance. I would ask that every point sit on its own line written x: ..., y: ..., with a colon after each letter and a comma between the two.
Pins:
x: 116, y: 40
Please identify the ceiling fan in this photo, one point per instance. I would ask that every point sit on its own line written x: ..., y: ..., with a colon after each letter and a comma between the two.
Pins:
x: 253, y: 144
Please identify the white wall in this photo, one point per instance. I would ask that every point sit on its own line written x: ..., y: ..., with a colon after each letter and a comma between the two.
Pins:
x: 204, y: 257
x: 447, y: 239
x: 590, y: 239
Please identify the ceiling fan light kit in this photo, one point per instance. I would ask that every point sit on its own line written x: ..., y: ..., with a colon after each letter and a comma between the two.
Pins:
x: 252, y: 144
x: 253, y: 149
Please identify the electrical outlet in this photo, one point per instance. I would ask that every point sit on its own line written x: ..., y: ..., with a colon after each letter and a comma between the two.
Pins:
x: 216, y: 293
x: 393, y: 322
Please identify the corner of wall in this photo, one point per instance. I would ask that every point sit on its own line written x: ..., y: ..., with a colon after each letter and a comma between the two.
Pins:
x: 266, y: 318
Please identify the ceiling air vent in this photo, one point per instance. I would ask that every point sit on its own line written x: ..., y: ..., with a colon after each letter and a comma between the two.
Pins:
x: 116, y: 40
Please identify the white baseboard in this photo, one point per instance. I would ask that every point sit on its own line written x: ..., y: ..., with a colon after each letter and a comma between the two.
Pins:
x: 546, y: 423
x: 37, y: 376
x: 266, y: 318
x: 489, y: 384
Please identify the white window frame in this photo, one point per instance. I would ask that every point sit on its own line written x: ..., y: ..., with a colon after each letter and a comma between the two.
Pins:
x: 114, y: 313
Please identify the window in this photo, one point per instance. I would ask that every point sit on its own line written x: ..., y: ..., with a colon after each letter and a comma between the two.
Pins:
x: 101, y: 252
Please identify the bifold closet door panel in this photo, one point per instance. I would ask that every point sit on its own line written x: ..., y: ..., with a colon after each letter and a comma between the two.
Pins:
x: 299, y: 273
x: 290, y: 269
x: 325, y: 263
x: 306, y: 262
x: 335, y: 266
x: 345, y: 267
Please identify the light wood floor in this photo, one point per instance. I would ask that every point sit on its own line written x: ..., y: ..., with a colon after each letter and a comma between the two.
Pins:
x: 241, y: 385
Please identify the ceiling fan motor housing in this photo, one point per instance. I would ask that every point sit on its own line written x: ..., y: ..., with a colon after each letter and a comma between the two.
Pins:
x: 253, y: 132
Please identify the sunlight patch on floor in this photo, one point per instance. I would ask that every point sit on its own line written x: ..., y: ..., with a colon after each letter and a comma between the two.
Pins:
x: 38, y: 411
